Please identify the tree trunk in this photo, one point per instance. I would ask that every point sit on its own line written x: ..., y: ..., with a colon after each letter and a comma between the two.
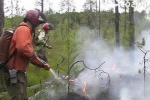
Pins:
x: 42, y: 5
x: 99, y: 18
x: 90, y: 6
x: 1, y: 16
x: 96, y: 16
x: 117, y: 24
x: 2, y: 88
x: 68, y: 43
x: 125, y: 23
x: 131, y: 25
x: 96, y: 21
x: 17, y: 7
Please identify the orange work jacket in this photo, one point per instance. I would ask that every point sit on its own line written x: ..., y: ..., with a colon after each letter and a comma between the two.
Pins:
x: 22, y: 44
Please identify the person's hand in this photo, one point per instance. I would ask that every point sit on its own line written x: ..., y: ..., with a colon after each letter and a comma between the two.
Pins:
x: 49, y: 47
x: 47, y: 67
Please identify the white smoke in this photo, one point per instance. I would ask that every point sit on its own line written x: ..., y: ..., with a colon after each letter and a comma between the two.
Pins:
x: 125, y: 94
x: 123, y: 67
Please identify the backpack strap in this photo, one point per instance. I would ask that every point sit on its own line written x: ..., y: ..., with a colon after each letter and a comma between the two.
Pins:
x: 3, y: 65
x: 3, y: 68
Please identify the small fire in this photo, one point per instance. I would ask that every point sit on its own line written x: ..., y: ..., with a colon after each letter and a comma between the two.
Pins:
x: 114, y: 68
x: 71, y: 81
x: 85, y: 89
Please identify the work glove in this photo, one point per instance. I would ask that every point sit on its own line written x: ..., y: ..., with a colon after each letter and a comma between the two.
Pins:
x: 49, y: 47
x: 47, y: 67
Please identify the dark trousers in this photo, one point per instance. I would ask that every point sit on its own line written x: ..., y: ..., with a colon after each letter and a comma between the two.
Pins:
x: 17, y: 91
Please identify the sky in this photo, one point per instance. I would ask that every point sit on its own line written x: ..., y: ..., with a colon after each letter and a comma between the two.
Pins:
x: 105, y: 4
x: 54, y: 4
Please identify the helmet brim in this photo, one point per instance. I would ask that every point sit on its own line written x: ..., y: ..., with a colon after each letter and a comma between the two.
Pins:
x: 44, y: 20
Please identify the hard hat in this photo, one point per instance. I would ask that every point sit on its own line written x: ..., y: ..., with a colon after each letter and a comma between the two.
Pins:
x: 35, y: 17
x: 47, y: 26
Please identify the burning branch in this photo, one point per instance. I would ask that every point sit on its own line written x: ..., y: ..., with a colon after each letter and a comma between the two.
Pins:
x: 68, y: 74
x: 85, y: 89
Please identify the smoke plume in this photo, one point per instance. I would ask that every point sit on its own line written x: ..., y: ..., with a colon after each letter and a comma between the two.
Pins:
x: 124, y: 67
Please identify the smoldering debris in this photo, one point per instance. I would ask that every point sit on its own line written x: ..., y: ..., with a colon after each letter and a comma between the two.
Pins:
x: 123, y: 67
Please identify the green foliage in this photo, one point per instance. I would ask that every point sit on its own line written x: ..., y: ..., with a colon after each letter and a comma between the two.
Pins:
x: 142, y: 43
x: 36, y: 75
x: 8, y: 23
x: 4, y: 96
x: 13, y: 22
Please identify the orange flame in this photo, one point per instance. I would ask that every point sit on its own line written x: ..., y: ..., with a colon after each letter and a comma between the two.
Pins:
x: 114, y: 68
x: 71, y: 81
x: 85, y: 89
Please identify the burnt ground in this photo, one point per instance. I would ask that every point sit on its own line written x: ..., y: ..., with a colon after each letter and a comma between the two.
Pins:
x: 74, y: 96
x: 122, y: 88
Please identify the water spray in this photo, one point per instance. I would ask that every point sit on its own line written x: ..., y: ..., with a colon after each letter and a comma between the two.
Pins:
x: 54, y: 74
x: 60, y: 79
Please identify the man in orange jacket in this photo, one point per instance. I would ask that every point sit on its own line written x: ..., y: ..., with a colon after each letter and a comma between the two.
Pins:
x: 21, y: 48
